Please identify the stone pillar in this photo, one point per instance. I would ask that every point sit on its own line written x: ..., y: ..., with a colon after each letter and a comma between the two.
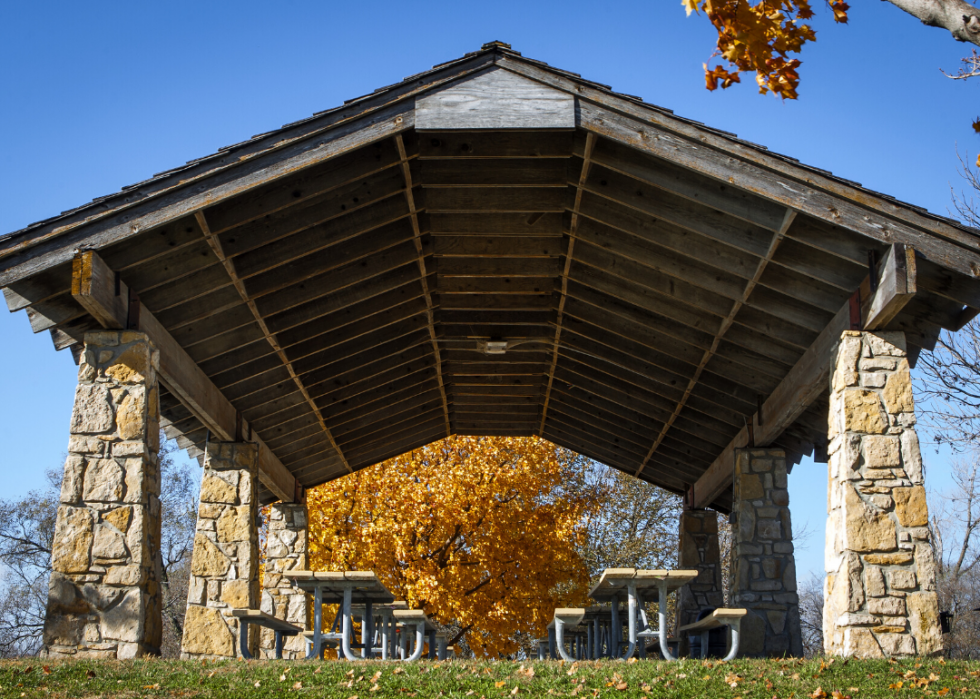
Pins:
x: 763, y: 566
x: 698, y: 550
x: 104, y: 592
x: 225, y: 564
x: 285, y: 549
x: 880, y: 589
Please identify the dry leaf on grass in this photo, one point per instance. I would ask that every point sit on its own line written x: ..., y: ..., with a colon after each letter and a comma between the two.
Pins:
x: 297, y: 685
x: 498, y: 685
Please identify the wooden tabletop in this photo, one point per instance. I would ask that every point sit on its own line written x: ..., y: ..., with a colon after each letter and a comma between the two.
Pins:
x: 614, y: 581
x: 364, y: 584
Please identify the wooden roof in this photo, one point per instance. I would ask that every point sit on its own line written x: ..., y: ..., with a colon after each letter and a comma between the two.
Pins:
x: 652, y: 280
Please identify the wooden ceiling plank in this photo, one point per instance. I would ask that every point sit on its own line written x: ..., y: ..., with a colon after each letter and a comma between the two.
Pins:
x: 511, y: 172
x: 504, y: 302
x: 710, y: 353
x: 397, y: 446
x: 93, y: 282
x: 230, y: 267
x: 497, y: 224
x: 382, y: 428
x: 693, y: 230
x: 380, y: 399
x: 692, y: 186
x: 496, y: 286
x: 501, y: 144
x: 509, y: 246
x: 362, y: 242
x: 311, y: 183
x: 341, y: 295
x: 383, y: 356
x: 201, y: 309
x: 405, y: 402
x: 333, y: 391
x: 505, y: 267
x: 529, y: 200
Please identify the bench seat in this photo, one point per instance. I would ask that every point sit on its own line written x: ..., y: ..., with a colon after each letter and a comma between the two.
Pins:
x: 259, y: 618
x: 732, y: 618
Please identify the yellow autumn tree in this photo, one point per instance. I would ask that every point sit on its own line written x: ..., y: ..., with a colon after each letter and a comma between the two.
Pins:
x: 481, y: 532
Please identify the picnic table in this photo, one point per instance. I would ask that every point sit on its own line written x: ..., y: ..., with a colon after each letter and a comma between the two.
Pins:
x: 635, y: 587
x: 348, y: 588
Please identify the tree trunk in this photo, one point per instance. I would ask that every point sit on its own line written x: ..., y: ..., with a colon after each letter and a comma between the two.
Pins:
x: 960, y: 17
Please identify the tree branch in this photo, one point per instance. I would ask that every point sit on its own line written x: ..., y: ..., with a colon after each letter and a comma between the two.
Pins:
x: 960, y: 18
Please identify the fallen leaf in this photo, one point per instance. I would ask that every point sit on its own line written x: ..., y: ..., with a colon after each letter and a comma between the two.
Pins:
x: 152, y: 686
x: 943, y: 692
x: 398, y: 671
x: 374, y: 688
x: 622, y: 686
x: 258, y: 684
x: 211, y: 674
x: 282, y: 677
x: 498, y: 685
x: 46, y: 670
x: 297, y: 685
x: 818, y: 693
x: 470, y: 693
x: 90, y: 674
x: 896, y: 685
x: 515, y: 690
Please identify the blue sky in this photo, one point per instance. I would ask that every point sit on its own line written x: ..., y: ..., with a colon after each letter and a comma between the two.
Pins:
x: 99, y: 95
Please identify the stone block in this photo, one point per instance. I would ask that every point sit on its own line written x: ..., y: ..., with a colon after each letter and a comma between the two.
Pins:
x: 897, y: 393
x: 750, y: 487
x: 862, y: 412
x: 206, y: 633
x: 768, y: 529
x: 109, y: 544
x: 119, y: 517
x: 73, y: 540
x: 218, y: 490
x: 881, y: 451
x: 104, y: 481
x: 132, y: 366
x: 237, y: 594
x: 923, y: 610
x: 910, y: 506
x: 857, y: 619
x: 874, y: 581
x: 71, y: 482
x: 896, y: 644
x: 124, y: 575
x: 866, y: 529
x: 902, y: 579
x: 860, y: 643
x: 124, y: 620
x: 888, y: 559
x: 208, y: 560
x: 891, y: 606
x: 236, y: 524
x: 92, y: 412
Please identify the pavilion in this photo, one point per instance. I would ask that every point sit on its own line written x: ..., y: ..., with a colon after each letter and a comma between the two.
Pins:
x: 494, y: 247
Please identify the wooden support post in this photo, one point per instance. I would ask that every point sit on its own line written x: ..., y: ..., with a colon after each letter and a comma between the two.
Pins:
x: 808, y: 378
x: 94, y: 286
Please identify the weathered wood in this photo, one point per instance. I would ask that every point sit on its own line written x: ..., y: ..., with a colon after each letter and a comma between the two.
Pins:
x: 182, y: 377
x: 549, y: 246
x: 523, y: 172
x: 493, y: 223
x: 506, y: 144
x: 497, y: 99
x: 896, y: 287
x: 802, y: 385
x: 495, y: 267
x: 46, y: 248
x: 494, y: 200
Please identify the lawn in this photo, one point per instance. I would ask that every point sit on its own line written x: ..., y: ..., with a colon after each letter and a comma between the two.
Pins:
x: 745, y: 679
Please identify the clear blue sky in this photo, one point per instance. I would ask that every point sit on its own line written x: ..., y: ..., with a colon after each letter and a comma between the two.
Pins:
x: 99, y: 95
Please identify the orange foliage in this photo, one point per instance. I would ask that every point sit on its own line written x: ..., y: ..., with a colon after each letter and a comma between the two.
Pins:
x: 481, y: 532
x: 760, y: 38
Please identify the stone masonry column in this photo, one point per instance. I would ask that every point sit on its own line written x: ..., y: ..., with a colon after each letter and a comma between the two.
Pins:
x: 225, y: 564
x: 104, y: 592
x: 763, y: 566
x: 698, y: 550
x: 880, y: 590
x: 285, y: 549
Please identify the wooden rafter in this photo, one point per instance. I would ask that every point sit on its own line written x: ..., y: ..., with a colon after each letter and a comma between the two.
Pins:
x: 423, y: 276
x: 777, y: 238
x: 590, y: 140
x: 270, y: 338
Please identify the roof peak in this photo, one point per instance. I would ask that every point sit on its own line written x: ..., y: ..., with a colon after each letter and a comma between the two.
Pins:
x: 496, y: 45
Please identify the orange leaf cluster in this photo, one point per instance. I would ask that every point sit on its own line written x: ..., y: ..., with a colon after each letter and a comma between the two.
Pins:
x: 760, y: 38
x: 481, y: 532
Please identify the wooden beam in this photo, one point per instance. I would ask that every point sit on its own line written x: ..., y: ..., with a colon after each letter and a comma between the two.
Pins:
x: 270, y: 338
x: 807, y: 380
x: 423, y: 275
x: 777, y: 238
x: 583, y: 176
x: 94, y: 286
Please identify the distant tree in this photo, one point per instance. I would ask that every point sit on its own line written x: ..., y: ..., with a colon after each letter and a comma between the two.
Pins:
x: 26, y: 534
x: 481, y: 532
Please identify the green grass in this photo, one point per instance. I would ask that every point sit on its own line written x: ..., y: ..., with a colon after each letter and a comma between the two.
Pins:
x: 748, y: 679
